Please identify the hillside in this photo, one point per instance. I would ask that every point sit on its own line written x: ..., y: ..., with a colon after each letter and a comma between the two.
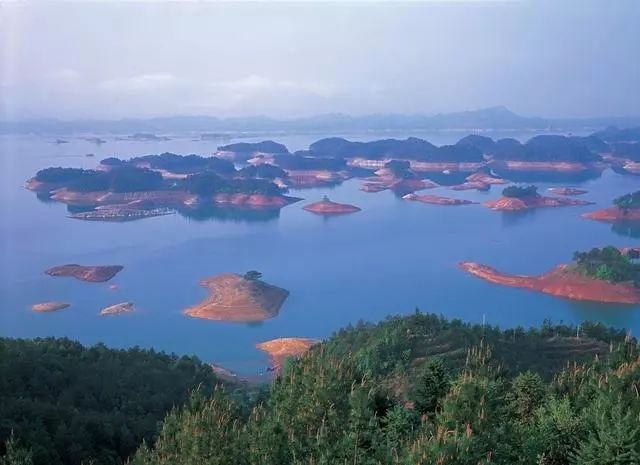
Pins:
x: 416, y: 389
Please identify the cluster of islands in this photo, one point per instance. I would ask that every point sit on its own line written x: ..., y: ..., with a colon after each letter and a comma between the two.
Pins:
x: 256, y: 177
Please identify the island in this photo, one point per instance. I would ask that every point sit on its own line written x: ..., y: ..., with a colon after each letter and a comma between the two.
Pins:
x: 239, y: 298
x: 93, y: 274
x: 625, y: 209
x: 436, y: 200
x: 519, y: 198
x: 607, y: 275
x: 157, y: 185
x: 567, y: 191
x: 124, y: 307
x: 49, y: 306
x: 327, y: 207
x: 279, y: 350
x: 242, y: 151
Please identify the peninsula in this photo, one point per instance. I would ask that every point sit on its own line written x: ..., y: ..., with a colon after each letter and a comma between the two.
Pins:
x: 94, y: 274
x: 606, y: 275
x: 234, y: 297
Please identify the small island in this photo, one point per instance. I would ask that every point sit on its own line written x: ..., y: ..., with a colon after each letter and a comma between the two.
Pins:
x: 397, y: 176
x: 519, y: 198
x: 279, y: 350
x: 327, y: 207
x: 436, y: 200
x: 626, y: 209
x: 234, y: 297
x: 567, y: 191
x: 93, y: 274
x: 124, y: 307
x: 606, y: 275
x: 45, y: 307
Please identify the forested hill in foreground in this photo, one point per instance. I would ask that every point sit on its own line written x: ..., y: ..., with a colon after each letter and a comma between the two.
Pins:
x: 411, y: 390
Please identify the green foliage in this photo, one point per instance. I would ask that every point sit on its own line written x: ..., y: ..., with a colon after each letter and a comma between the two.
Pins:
x: 614, y: 433
x: 430, y: 386
x: 628, y: 200
x: 69, y: 403
x: 608, y: 264
x: 413, y: 390
x: 209, y: 183
x: 520, y: 192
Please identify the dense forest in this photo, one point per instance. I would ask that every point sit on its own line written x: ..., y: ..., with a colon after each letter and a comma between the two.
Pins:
x: 411, y: 390
x: 70, y: 403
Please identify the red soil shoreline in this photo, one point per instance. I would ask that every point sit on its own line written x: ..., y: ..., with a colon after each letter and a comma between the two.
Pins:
x: 560, y: 282
x: 234, y: 298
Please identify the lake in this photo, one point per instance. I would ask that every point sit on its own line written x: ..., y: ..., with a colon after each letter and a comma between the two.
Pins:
x: 390, y: 258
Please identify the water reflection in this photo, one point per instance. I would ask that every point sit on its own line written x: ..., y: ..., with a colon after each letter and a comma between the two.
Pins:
x: 209, y: 212
x: 627, y: 229
x: 548, y: 176
x: 510, y: 219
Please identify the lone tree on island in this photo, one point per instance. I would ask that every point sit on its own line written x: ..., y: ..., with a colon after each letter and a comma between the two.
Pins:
x: 252, y: 275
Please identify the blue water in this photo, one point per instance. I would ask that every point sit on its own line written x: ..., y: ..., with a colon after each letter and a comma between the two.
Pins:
x: 390, y: 258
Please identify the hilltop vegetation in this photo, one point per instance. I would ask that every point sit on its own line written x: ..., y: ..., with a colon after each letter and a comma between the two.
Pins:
x: 609, y: 264
x: 417, y: 389
x: 337, y: 405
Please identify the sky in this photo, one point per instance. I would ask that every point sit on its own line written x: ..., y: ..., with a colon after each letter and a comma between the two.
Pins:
x: 79, y: 60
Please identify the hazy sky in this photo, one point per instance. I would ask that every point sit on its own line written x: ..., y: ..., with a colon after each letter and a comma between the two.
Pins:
x: 121, y: 59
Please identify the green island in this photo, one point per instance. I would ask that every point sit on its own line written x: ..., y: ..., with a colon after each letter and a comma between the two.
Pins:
x: 415, y: 389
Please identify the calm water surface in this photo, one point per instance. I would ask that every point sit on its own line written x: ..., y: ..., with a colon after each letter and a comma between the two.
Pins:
x: 390, y: 258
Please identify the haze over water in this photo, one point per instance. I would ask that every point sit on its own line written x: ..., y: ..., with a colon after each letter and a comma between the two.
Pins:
x: 390, y: 258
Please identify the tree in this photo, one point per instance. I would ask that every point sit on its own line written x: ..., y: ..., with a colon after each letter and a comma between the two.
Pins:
x: 527, y: 393
x: 252, y: 275
x: 430, y: 386
x: 614, y: 438
x: 15, y: 455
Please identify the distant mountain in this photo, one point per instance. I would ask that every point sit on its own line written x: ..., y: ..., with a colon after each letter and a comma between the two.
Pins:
x: 487, y: 118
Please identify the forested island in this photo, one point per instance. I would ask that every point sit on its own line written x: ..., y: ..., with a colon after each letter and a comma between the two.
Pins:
x: 415, y: 389
x: 605, y: 274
